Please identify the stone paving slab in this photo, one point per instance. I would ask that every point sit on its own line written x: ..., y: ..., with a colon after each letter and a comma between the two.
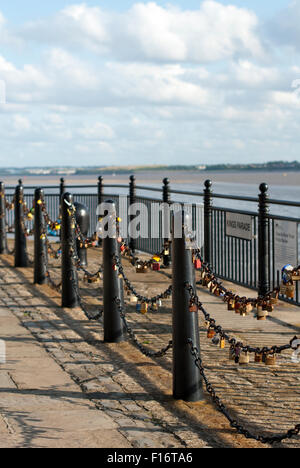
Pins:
x: 135, y: 391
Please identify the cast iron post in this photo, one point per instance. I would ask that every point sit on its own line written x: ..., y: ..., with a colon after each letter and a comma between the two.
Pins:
x: 83, y: 220
x: 40, y: 244
x: 21, y: 259
x: 112, y: 285
x: 100, y: 200
x: 207, y: 220
x: 3, y: 240
x: 68, y: 268
x: 187, y: 381
x: 166, y: 200
x: 263, y: 241
x: 132, y: 201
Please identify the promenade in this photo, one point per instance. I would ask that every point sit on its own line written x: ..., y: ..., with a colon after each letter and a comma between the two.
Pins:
x: 61, y: 386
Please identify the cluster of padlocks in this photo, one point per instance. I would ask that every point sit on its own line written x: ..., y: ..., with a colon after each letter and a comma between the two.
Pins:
x: 143, y: 266
x: 243, y: 306
x: 289, y: 276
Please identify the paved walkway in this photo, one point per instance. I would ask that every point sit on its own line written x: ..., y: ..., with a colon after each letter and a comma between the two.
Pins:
x: 63, y: 387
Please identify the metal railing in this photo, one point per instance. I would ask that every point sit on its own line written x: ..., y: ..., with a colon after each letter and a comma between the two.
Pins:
x: 233, y: 259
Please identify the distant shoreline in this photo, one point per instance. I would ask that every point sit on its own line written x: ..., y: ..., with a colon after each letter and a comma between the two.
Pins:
x: 275, y: 167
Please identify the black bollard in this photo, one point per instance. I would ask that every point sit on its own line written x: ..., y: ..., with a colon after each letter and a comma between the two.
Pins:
x: 3, y: 240
x: 187, y: 381
x: 166, y: 200
x: 263, y: 242
x: 40, y: 244
x: 21, y: 259
x: 132, y: 201
x: 68, y: 245
x: 207, y: 220
x: 83, y: 220
x: 112, y: 287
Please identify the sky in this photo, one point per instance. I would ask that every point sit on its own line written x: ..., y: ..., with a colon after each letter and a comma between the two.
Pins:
x: 142, y: 83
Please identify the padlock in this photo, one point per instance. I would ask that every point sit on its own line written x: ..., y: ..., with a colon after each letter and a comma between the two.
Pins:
x: 222, y: 343
x: 261, y: 314
x: 139, y: 269
x: 197, y: 264
x: 231, y: 304
x: 283, y: 288
x: 138, y: 307
x: 216, y: 340
x: 243, y: 311
x: 237, y: 307
x: 258, y: 358
x: 237, y: 353
x: 133, y: 299
x: 155, y: 266
x: 144, y: 308
x: 244, y: 358
x: 290, y: 290
x: 193, y: 308
x: 156, y: 258
x: 249, y: 308
x: 274, y: 297
x: 211, y: 333
x: 232, y: 353
x: 270, y: 360
x: 145, y: 269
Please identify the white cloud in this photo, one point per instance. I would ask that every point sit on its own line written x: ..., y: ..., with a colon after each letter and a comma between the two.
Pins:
x: 98, y: 131
x: 149, y: 32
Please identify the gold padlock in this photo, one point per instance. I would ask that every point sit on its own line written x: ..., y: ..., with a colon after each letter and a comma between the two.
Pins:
x: 222, y: 343
x: 258, y: 358
x: 271, y: 360
x: 211, y: 333
x: 244, y: 358
x: 290, y: 290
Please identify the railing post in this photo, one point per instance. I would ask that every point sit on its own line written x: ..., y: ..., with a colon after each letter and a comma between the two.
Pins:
x: 62, y: 188
x: 166, y: 200
x: 207, y: 220
x: 263, y: 241
x: 132, y: 201
x: 40, y: 245
x: 112, y: 286
x: 187, y: 381
x: 83, y: 220
x: 3, y: 240
x: 100, y: 200
x: 68, y: 268
x: 21, y: 259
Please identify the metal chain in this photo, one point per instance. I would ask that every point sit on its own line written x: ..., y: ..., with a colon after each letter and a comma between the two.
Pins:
x: 232, y: 341
x: 233, y: 423
x: 224, y: 291
x: 164, y: 295
x: 133, y: 337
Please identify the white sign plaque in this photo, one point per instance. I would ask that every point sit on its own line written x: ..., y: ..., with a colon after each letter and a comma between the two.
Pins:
x: 285, y: 243
x: 239, y: 225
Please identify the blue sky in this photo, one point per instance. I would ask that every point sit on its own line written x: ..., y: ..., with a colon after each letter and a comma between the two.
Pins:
x: 124, y: 82
x: 20, y: 10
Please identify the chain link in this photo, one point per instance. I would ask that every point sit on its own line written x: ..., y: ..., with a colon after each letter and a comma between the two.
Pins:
x: 232, y: 341
x: 133, y: 337
x: 233, y: 423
